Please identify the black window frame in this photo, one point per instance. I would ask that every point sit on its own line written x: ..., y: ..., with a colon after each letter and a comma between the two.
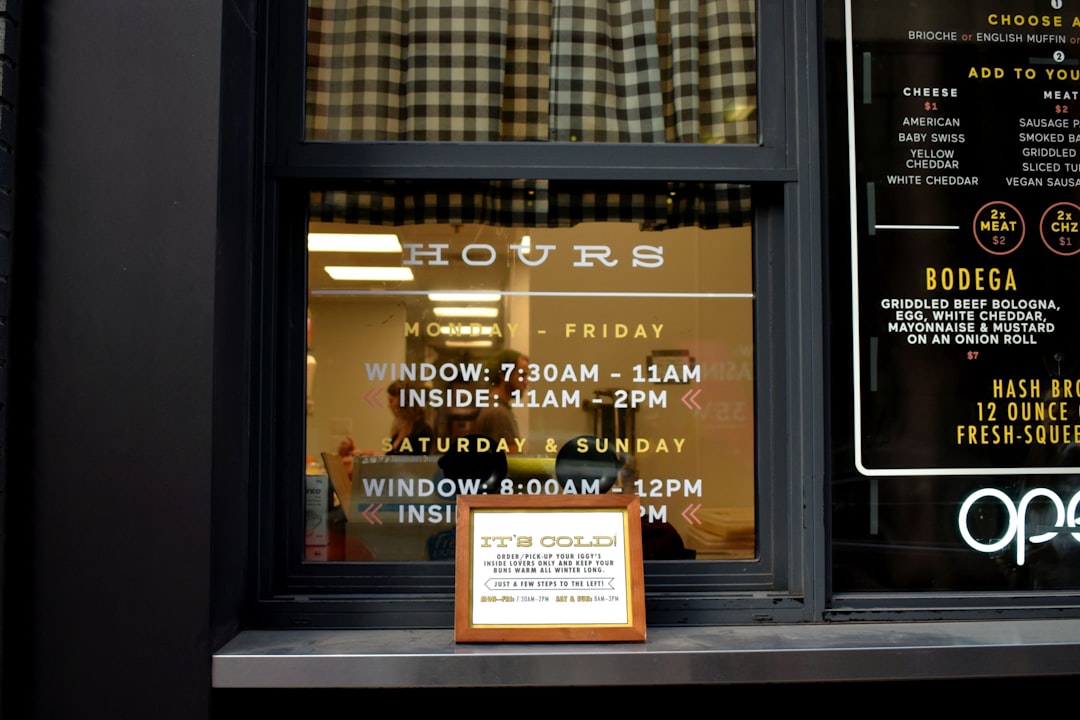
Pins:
x: 786, y: 581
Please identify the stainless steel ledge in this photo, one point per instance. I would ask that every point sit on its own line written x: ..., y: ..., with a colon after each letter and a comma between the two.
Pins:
x: 670, y: 656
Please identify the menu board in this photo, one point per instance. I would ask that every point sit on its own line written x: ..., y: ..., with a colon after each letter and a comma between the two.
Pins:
x: 964, y: 131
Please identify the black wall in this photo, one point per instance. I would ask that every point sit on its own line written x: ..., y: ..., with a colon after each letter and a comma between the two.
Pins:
x: 107, y: 576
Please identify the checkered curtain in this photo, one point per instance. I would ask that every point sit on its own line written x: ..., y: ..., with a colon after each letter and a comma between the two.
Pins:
x: 535, y: 203
x: 428, y: 70
x: 653, y: 71
x: 628, y: 71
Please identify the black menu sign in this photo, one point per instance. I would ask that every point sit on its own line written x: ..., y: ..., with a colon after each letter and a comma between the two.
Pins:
x: 964, y: 125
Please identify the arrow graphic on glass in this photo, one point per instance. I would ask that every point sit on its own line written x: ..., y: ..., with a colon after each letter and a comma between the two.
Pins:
x: 689, y: 514
x: 690, y: 399
x: 371, y: 397
x: 370, y: 514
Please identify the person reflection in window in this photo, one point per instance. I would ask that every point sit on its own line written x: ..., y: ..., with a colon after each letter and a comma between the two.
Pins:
x: 497, y: 422
x: 410, y: 433
x: 346, y: 450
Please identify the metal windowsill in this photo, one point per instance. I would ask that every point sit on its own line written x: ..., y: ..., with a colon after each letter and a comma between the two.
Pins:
x: 670, y: 656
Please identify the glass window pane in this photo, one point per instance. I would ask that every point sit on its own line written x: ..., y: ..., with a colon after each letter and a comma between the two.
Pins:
x: 643, y: 71
x: 609, y: 348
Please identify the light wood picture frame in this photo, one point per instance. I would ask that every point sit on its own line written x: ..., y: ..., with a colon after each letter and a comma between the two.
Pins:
x: 549, y: 568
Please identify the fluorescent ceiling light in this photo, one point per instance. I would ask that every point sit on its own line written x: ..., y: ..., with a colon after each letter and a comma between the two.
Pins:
x: 352, y: 242
x: 463, y: 312
x: 464, y: 297
x: 469, y: 343
x: 345, y: 272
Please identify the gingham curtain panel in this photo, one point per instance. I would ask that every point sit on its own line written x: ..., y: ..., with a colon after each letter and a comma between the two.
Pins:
x: 627, y: 71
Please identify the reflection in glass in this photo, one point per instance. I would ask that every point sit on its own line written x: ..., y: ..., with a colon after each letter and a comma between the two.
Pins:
x: 598, y: 357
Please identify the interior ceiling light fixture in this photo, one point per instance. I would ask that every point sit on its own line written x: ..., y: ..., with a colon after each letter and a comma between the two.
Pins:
x: 463, y: 297
x: 382, y: 274
x: 466, y: 312
x: 469, y: 343
x: 353, y: 242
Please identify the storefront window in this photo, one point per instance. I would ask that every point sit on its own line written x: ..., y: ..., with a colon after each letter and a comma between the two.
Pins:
x: 630, y: 71
x: 529, y: 338
x: 577, y: 176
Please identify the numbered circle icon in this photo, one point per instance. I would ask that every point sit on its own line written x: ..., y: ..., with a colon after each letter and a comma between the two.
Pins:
x: 1060, y: 228
x: 999, y: 228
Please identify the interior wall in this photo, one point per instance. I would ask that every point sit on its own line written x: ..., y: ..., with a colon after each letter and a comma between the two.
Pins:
x: 349, y: 339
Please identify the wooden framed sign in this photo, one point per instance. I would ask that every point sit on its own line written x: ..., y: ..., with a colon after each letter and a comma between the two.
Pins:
x: 549, y: 568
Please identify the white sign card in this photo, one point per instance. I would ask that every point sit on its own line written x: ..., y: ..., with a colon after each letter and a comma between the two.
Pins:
x: 549, y: 568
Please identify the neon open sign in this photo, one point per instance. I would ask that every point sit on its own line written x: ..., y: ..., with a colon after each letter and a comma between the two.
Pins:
x: 1016, y: 528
